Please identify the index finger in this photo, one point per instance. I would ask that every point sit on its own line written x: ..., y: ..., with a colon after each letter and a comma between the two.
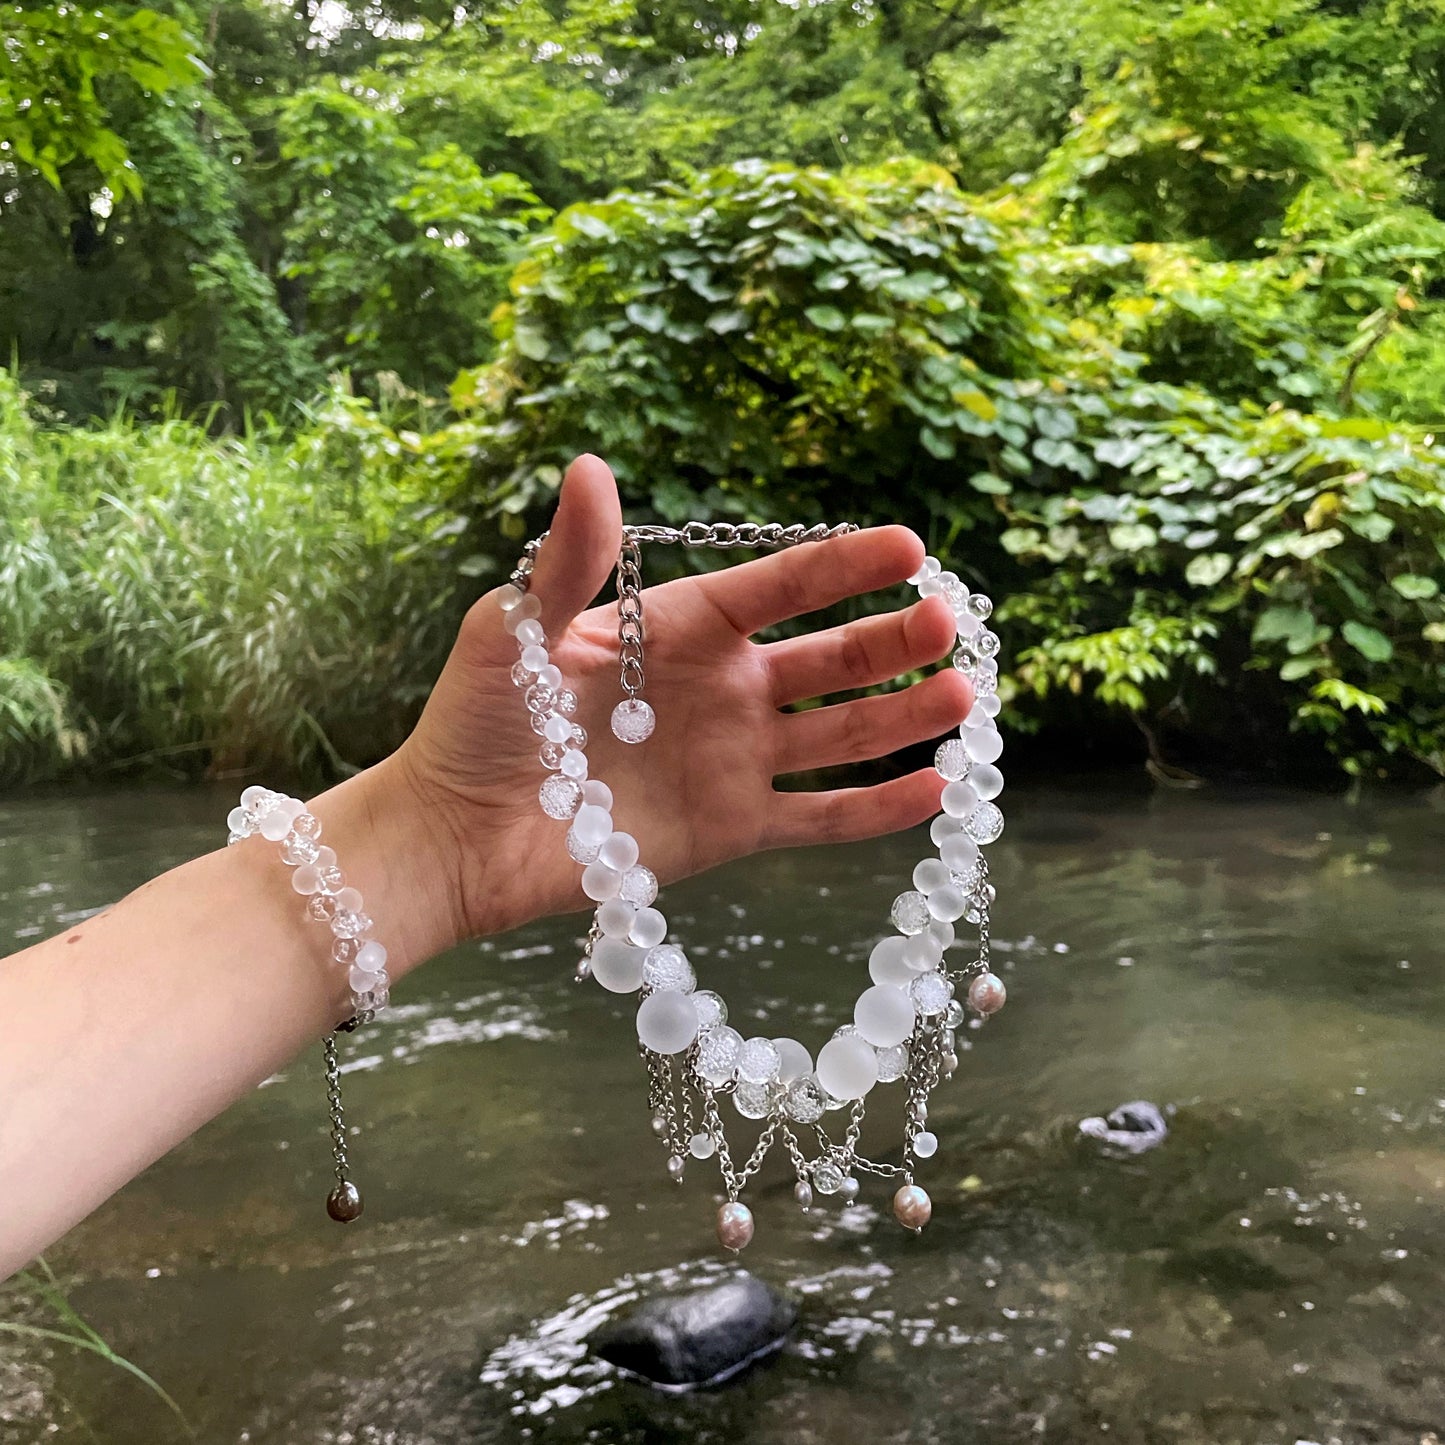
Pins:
x: 812, y: 575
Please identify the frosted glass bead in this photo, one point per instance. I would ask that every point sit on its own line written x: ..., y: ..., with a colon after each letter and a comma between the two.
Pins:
x: 952, y: 760
x: 557, y: 730
x: 639, y: 885
x: 929, y: 874
x: 804, y: 1100
x: 930, y: 587
x: 947, y: 902
x: 985, y: 823
x: 617, y: 966
x: 958, y: 852
x: 238, y: 820
x: 944, y: 827
x: 371, y: 956
x: 932, y: 567
x: 794, y: 1060
x: 759, y: 1062
x: 827, y: 1177
x: 559, y: 796
x: 306, y: 879
x: 980, y: 606
x: 599, y: 882
x: 711, y: 1009
x: 615, y: 918
x: 550, y: 677
x: 298, y: 850
x: 701, y: 1146
x: 754, y: 1101
x: 566, y: 702
x: 347, y: 924
x: 579, y: 851
x: 275, y: 825
x: 909, y: 912
x: 886, y: 963
x: 987, y: 781
x: 529, y: 633
x: 349, y: 898
x: 539, y: 698
x: 593, y: 824
x: 958, y: 798
x: 921, y: 954
x: 892, y: 1063
x: 919, y: 575
x: 597, y: 793
x: 574, y: 766
x: 252, y: 796
x: 942, y: 933
x: 620, y: 851
x: 509, y: 596
x: 931, y: 994
x: 717, y: 1054
x: 925, y: 1145
x: 321, y: 907
x: 977, y: 718
x: 884, y: 1016
x: 968, y: 625
x: 666, y: 969
x: 535, y: 657
x: 649, y: 927
x: 666, y: 1022
x: 985, y: 745
x: 992, y: 704
x: 633, y: 720
x: 522, y: 675
x: 330, y: 875
x: 344, y: 950
x: 847, y: 1067
x: 363, y: 980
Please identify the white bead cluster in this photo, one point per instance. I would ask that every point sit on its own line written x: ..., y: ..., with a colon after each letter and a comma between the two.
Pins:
x: 317, y: 878
x: 909, y: 983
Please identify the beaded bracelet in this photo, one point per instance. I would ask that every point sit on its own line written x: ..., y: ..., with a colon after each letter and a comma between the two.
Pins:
x: 329, y: 900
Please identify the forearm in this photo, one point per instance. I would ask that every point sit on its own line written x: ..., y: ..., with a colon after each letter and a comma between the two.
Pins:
x: 122, y: 1036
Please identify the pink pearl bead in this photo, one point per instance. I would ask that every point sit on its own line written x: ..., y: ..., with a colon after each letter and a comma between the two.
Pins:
x: 734, y: 1226
x: 987, y: 994
x: 912, y: 1207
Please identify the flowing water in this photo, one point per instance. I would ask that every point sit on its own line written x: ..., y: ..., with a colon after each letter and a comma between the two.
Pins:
x: 1266, y: 964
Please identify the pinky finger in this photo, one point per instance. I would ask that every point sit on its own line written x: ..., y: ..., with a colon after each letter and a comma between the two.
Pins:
x: 846, y: 815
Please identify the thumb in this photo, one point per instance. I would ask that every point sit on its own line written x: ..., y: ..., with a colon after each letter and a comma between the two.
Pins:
x: 582, y: 544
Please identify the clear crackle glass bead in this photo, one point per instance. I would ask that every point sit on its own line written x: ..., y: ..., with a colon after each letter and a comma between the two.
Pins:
x: 539, y: 698
x: 754, y: 1100
x: 986, y: 683
x: 952, y: 760
x: 566, y: 703
x: 805, y: 1101
x: 717, y: 1054
x: 985, y: 823
x: 965, y: 659
x: 666, y: 968
x: 931, y: 994
x: 711, y: 1008
x: 986, y: 644
x: 827, y: 1177
x: 980, y: 606
x: 892, y: 1063
x: 551, y: 754
x: 321, y: 907
x: 639, y: 885
x: 580, y: 852
x: 910, y: 912
x: 633, y: 720
x: 560, y: 796
x: 759, y: 1062
x: 299, y: 850
x: 522, y: 675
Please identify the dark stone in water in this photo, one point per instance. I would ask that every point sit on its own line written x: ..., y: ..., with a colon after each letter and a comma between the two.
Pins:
x: 700, y: 1336
x: 1130, y: 1129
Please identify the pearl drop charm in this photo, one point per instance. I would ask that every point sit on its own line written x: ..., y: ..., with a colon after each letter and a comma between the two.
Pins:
x: 344, y: 1203
x: 803, y: 1193
x: 987, y: 994
x: 675, y: 1167
x: 734, y: 1226
x: 912, y: 1207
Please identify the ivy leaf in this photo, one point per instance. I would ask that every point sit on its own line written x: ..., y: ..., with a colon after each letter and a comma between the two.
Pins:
x: 1018, y: 540
x: 1294, y: 668
x: 1132, y: 536
x: 1368, y: 642
x: 1413, y: 586
x: 723, y: 322
x: 647, y: 316
x: 1281, y: 624
x: 936, y: 444
x: 826, y: 318
x: 1313, y: 543
x: 531, y: 343
x: 987, y: 482
x: 1208, y: 570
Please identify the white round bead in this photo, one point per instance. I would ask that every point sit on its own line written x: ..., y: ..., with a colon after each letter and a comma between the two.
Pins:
x: 958, y: 852
x: 991, y: 703
x: 942, y: 933
x: 306, y: 879
x: 619, y: 851
x: 509, y: 596
x: 944, y: 827
x: 615, y: 918
x: 958, y: 798
x: 363, y: 980
x: 592, y: 824
x: 847, y: 1067
x: 932, y: 567
x: 597, y: 793
x: 794, y: 1060
x: 987, y: 781
x: 529, y: 633
x: 701, y: 1146
x: 371, y: 956
x: 985, y: 745
x: 599, y: 882
x: 977, y: 718
x: 947, y: 902
x: 574, y: 765
x: 666, y: 969
x: 666, y: 1022
x: 253, y: 795
x: 275, y: 825
x: 925, y: 1145
x: 968, y: 625
x: 633, y: 720
x: 535, y: 657
x: 884, y: 1015
x: 649, y: 927
x: 349, y: 899
x: 557, y: 730
x: 921, y: 954
x: 929, y: 874
x: 579, y: 851
x: 617, y: 966
x: 550, y: 677
x: 238, y: 820
x: 886, y: 962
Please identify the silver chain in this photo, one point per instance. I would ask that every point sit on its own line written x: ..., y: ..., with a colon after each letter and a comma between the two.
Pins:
x: 333, y: 1101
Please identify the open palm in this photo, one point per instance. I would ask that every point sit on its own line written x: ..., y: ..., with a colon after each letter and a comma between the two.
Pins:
x: 701, y: 789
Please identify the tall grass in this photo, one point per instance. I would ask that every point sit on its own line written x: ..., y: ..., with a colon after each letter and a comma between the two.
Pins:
x: 168, y: 598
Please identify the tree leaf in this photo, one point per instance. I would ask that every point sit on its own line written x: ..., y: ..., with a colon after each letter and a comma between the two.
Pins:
x: 1413, y: 586
x: 826, y: 318
x: 1367, y: 641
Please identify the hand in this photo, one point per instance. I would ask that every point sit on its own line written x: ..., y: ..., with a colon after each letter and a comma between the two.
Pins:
x: 701, y: 789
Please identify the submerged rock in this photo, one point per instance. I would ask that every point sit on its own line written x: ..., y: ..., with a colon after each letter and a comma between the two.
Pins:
x: 699, y: 1336
x: 1130, y: 1129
